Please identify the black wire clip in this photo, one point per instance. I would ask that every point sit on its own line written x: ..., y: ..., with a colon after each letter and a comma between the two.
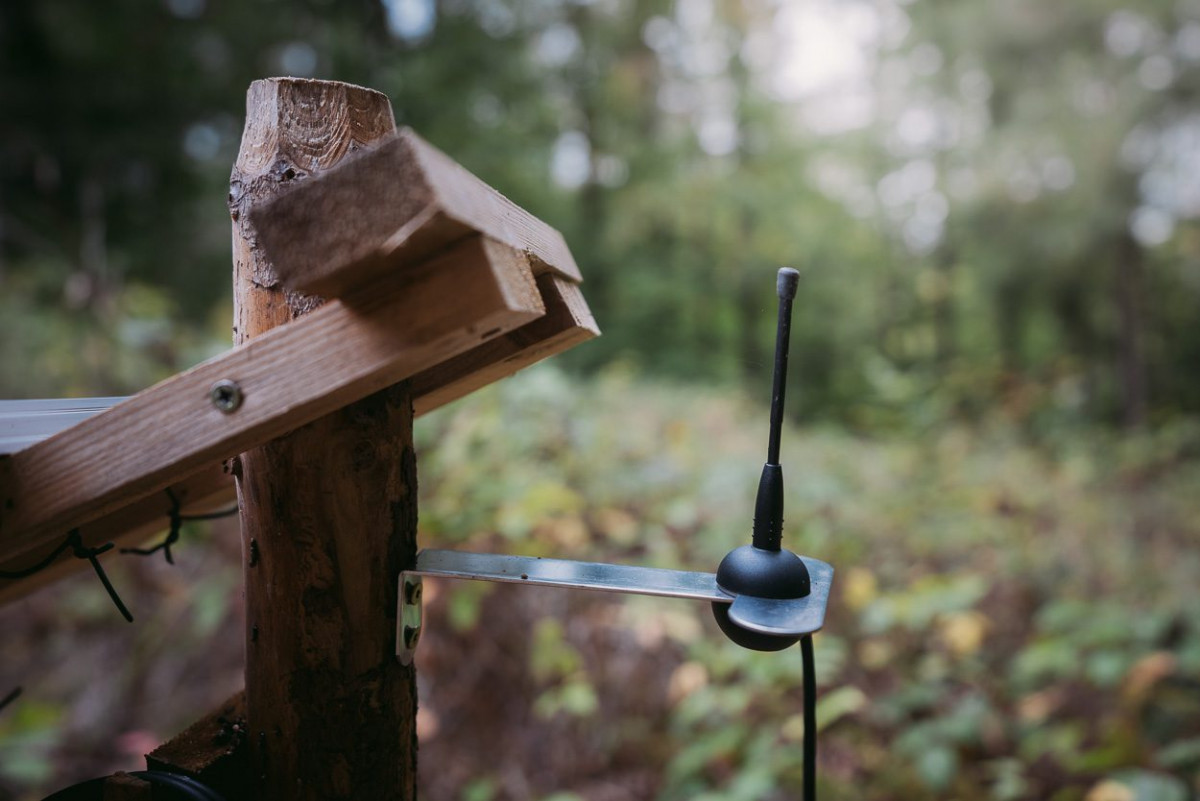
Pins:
x: 75, y: 543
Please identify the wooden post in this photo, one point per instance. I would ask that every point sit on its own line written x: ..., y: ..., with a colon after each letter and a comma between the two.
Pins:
x: 328, y: 512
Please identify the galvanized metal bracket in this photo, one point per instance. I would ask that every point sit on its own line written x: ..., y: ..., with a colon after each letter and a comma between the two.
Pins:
x: 778, y: 617
x: 409, y: 619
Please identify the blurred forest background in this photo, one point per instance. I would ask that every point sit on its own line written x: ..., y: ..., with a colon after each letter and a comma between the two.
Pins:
x: 995, y: 405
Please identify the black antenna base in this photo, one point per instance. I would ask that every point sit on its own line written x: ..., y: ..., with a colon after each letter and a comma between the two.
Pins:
x: 759, y: 573
x: 768, y: 509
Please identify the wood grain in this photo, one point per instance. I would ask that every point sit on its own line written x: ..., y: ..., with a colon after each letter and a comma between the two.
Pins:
x: 214, y: 750
x: 567, y: 322
x: 329, y: 511
x: 207, y: 490
x: 394, y: 205
x: 290, y: 376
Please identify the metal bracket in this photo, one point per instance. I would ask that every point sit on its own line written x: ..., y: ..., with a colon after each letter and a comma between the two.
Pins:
x: 409, y: 620
x: 779, y: 617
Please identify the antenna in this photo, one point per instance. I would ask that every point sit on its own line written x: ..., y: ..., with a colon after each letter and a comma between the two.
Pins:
x: 764, y: 569
x: 786, y: 283
x: 768, y: 508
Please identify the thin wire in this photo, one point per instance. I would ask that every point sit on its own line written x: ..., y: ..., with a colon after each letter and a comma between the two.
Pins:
x: 90, y: 554
x: 177, y: 519
x: 74, y: 543
x: 810, y: 718
x: 42, y: 565
x: 12, y: 696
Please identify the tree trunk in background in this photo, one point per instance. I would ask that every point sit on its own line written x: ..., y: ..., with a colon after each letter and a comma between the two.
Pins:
x: 944, y: 312
x: 1131, y: 357
x: 328, y: 512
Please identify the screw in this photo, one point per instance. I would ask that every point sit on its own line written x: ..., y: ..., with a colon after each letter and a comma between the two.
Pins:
x: 226, y: 395
x: 412, y: 592
x: 411, y: 635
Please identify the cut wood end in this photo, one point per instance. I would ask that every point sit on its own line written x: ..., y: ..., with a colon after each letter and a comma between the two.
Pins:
x: 310, y: 123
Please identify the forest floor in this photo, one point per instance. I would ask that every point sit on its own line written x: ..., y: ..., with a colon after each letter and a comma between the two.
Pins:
x: 1013, y: 616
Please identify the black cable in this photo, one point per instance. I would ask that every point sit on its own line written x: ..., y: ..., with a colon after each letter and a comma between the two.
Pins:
x: 188, y: 787
x: 12, y: 696
x: 785, y: 287
x: 90, y: 554
x: 185, y: 787
x: 810, y: 719
x: 42, y: 565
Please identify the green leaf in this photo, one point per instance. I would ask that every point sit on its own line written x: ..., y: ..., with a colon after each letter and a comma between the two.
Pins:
x: 480, y: 790
x: 835, y: 705
x: 1148, y: 786
x: 937, y: 767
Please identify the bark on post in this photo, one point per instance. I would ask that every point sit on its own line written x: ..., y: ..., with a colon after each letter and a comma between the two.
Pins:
x: 328, y: 512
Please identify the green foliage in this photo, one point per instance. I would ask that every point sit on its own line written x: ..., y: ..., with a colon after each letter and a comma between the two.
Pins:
x: 1001, y: 628
x: 1006, y: 228
x: 1008, y: 620
x: 27, y: 741
x: 998, y: 262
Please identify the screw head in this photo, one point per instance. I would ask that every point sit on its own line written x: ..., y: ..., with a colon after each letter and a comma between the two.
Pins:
x: 412, y: 635
x: 413, y: 592
x: 226, y: 395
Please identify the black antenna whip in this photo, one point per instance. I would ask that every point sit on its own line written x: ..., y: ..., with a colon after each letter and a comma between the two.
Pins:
x: 768, y: 507
x: 785, y: 286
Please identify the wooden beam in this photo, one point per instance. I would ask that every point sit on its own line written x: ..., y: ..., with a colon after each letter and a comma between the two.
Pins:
x: 288, y: 377
x: 207, y: 490
x: 567, y: 322
x: 214, y: 751
x: 395, y: 205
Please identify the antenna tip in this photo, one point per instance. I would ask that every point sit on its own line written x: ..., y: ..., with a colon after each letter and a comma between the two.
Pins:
x: 786, y: 283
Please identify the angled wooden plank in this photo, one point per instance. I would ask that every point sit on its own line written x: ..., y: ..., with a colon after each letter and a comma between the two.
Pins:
x: 395, y: 205
x: 567, y: 323
x: 339, y: 353
x: 207, y: 490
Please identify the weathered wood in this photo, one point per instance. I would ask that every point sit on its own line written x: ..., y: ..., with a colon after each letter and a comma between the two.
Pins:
x: 207, y: 490
x: 213, y: 750
x: 567, y: 322
x: 395, y: 205
x: 344, y: 351
x: 329, y: 510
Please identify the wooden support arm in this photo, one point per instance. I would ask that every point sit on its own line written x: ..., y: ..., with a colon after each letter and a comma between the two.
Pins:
x: 567, y: 322
x: 292, y: 375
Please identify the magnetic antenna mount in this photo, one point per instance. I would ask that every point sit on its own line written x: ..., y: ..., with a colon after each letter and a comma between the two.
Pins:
x: 764, y: 569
